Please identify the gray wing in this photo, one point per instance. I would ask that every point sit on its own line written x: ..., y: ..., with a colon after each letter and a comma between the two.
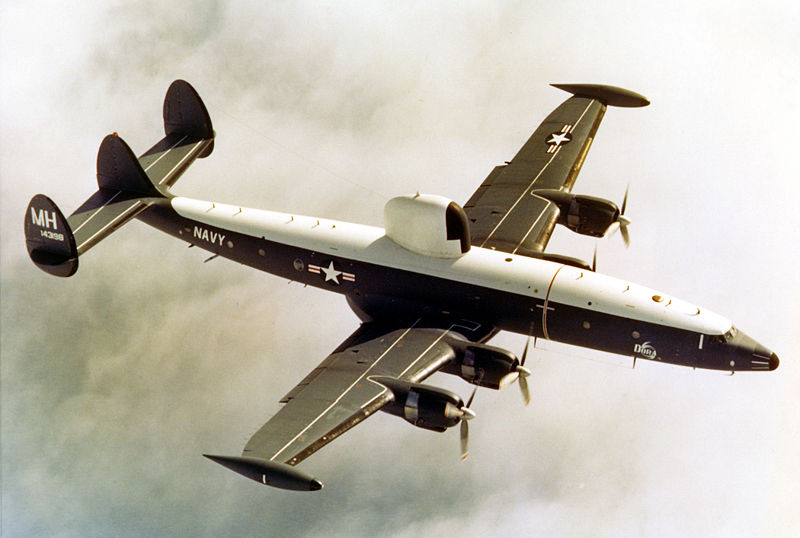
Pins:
x: 339, y: 393
x: 504, y: 214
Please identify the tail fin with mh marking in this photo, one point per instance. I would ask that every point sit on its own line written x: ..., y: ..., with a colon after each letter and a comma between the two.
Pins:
x: 126, y: 185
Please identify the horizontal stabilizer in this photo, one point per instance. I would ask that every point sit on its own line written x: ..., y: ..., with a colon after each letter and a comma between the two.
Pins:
x: 105, y: 211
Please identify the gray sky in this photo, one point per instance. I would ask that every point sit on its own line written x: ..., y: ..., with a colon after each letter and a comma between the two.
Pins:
x: 115, y: 381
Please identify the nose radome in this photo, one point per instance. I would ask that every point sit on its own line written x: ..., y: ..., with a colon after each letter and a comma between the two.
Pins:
x: 763, y: 358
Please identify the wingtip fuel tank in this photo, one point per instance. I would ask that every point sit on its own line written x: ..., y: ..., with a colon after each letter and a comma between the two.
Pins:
x: 269, y: 473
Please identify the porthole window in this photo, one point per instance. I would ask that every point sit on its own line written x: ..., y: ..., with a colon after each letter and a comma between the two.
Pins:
x: 262, y: 252
x: 587, y: 325
x: 658, y: 298
x: 635, y: 335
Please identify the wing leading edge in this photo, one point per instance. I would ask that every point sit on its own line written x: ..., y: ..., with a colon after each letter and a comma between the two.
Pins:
x: 504, y: 213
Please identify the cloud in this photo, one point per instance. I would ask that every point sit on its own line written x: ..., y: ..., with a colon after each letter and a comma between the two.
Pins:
x: 115, y: 381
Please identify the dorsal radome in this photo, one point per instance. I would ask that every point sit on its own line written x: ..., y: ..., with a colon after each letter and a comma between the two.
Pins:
x: 427, y: 224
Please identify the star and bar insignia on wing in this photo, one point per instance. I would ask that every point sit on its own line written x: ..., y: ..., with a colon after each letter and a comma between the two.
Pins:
x: 558, y: 139
x: 331, y: 273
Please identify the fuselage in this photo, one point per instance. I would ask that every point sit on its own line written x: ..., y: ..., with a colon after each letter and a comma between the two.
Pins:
x: 483, y: 287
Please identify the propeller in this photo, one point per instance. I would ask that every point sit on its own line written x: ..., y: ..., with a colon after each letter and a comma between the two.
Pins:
x: 466, y: 414
x: 622, y: 222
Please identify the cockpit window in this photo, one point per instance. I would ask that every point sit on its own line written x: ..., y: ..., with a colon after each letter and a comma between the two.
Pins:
x: 727, y: 337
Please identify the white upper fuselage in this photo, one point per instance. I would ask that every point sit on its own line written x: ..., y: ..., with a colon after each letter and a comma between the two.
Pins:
x: 521, y: 275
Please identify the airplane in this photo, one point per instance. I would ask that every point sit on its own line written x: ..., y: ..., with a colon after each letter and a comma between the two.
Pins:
x: 431, y: 287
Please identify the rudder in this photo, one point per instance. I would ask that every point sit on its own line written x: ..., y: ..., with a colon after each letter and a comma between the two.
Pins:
x: 185, y: 113
x: 49, y: 239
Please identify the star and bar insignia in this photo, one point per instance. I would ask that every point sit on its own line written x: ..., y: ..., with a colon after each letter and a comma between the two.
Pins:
x: 331, y: 273
x: 558, y: 139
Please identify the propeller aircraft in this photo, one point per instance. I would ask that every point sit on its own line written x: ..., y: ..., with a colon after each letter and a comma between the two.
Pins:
x: 431, y: 287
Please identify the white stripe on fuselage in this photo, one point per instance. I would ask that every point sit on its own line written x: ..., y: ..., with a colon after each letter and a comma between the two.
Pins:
x: 481, y: 267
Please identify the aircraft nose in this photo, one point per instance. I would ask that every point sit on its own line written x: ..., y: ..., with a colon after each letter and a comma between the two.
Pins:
x: 773, y: 358
x: 760, y: 357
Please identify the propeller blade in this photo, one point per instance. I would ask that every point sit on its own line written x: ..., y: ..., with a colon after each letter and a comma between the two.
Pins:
x: 625, y: 200
x: 464, y: 439
x: 525, y: 351
x: 523, y: 372
x: 469, y: 402
x: 623, y: 229
x: 523, y: 387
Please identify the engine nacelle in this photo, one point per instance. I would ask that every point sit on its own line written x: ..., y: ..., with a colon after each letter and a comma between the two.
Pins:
x: 427, y: 224
x: 482, y: 365
x: 426, y: 407
x: 583, y: 214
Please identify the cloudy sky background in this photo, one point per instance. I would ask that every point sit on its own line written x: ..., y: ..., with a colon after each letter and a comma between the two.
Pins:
x: 115, y: 381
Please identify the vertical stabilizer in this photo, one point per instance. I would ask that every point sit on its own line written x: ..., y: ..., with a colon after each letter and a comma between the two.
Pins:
x: 49, y: 239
